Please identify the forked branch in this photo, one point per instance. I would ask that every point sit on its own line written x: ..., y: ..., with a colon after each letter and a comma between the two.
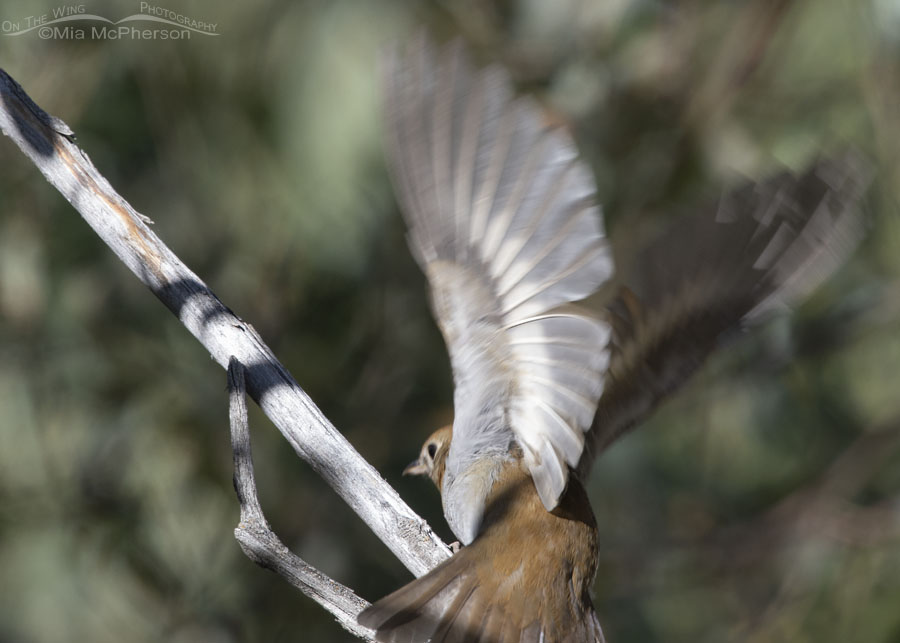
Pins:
x: 49, y: 143
x: 256, y: 537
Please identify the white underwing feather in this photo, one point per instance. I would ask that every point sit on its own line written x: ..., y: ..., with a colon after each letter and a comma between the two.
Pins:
x: 502, y: 219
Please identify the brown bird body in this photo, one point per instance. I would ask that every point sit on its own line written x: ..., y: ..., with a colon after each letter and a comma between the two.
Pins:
x: 526, y: 577
x: 502, y: 221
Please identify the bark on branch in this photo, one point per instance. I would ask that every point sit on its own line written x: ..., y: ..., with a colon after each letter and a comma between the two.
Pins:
x: 256, y: 537
x: 49, y: 143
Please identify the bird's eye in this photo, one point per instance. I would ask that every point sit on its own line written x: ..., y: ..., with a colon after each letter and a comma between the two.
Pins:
x: 432, y: 449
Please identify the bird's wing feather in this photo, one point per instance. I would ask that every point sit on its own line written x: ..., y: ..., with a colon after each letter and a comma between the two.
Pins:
x: 759, y: 249
x: 502, y: 220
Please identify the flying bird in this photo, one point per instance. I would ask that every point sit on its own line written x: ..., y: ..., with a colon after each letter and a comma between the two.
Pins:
x: 554, y: 354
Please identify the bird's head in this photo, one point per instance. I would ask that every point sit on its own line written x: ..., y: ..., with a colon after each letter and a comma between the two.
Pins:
x: 433, y: 456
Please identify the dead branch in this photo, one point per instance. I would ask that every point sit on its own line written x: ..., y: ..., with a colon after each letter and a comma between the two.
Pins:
x: 49, y: 143
x: 256, y: 537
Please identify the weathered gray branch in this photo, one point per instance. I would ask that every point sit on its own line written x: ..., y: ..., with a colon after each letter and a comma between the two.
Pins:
x: 48, y: 142
x: 256, y: 537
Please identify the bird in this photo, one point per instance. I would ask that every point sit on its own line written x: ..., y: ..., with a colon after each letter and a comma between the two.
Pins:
x: 554, y: 352
x: 515, y: 588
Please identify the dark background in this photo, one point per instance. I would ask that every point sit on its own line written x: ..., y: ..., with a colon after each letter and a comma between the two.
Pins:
x: 762, y: 504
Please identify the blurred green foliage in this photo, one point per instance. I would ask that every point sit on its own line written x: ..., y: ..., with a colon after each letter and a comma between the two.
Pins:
x: 760, y: 504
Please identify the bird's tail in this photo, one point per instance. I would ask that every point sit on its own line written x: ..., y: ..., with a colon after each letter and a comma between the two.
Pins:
x: 454, y: 603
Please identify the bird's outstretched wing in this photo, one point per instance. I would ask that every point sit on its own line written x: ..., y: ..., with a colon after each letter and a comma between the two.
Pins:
x: 502, y: 220
x: 759, y: 249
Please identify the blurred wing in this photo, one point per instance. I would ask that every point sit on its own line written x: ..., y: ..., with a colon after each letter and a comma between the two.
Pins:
x: 763, y: 247
x: 502, y: 220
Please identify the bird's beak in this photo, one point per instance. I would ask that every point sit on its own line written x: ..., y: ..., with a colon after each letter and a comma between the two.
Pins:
x: 415, y: 468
